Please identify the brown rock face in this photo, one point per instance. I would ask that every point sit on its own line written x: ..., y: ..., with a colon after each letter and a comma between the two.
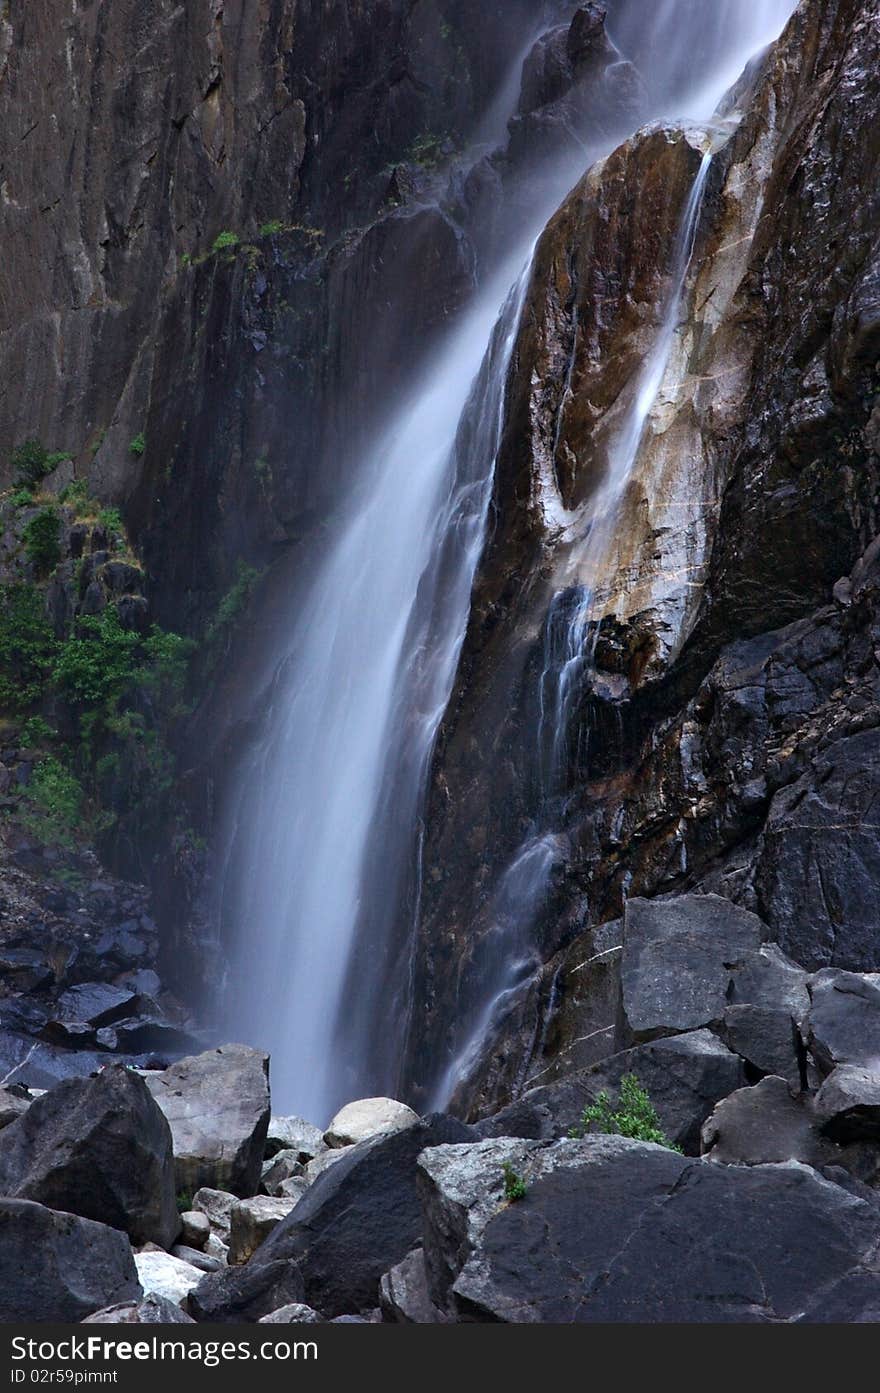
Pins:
x: 755, y: 488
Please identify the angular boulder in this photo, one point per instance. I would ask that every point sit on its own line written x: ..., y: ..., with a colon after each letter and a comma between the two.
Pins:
x: 100, y: 1148
x: 848, y: 1104
x: 251, y: 1222
x: 283, y: 1165
x: 368, y: 1117
x: 217, y: 1105
x: 678, y: 959
x: 296, y: 1135
x: 12, y: 1107
x: 684, y: 1075
x: 404, y: 1298
x: 58, y: 1267
x: 294, y: 1314
x: 612, y: 1230
x: 195, y: 1228
x: 152, y: 1310
x: 240, y: 1295
x: 359, y: 1218
x: 216, y: 1205
x: 165, y: 1276
x: 765, y: 1124
x: 843, y: 1024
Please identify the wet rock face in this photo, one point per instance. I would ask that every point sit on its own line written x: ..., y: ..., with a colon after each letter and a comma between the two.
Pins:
x: 734, y: 708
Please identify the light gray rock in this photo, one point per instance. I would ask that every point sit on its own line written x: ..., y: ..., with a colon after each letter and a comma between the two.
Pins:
x: 195, y: 1228
x: 295, y: 1314
x: 368, y: 1117
x: 294, y: 1134
x: 766, y: 1124
x: 216, y: 1205
x: 293, y: 1189
x: 678, y: 957
x: 251, y: 1222
x: 217, y: 1249
x: 280, y: 1167
x: 217, y: 1105
x: 404, y: 1298
x: 323, y: 1162
x: 848, y: 1104
x: 162, y: 1275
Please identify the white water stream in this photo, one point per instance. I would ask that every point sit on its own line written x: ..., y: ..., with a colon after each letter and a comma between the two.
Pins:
x: 323, y: 830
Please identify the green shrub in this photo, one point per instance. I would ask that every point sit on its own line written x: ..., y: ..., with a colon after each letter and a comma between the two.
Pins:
x: 635, y: 1116
x: 54, y: 800
x: 270, y: 228
x: 514, y: 1185
x: 30, y: 463
x: 36, y: 732
x: 99, y: 663
x: 41, y: 540
x: 111, y: 521
x: 229, y: 610
x: 22, y: 498
x: 225, y: 241
x: 75, y: 493
x: 138, y: 445
x: 27, y: 646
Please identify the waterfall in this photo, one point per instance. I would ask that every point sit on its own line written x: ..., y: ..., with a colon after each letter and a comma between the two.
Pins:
x: 502, y: 962
x: 372, y: 658
x: 321, y: 832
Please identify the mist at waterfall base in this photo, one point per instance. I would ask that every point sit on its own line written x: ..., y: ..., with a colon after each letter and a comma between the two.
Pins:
x: 321, y: 836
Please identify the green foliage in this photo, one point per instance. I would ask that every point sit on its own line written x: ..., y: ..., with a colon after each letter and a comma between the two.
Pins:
x: 138, y: 445
x: 635, y: 1116
x: 514, y: 1185
x: 270, y: 228
x: 427, y: 150
x: 36, y: 732
x: 98, y: 664
x: 75, y: 493
x: 53, y: 800
x: 21, y: 498
x: 229, y: 611
x: 27, y: 646
x: 184, y: 1201
x: 30, y: 463
x: 225, y: 241
x: 111, y: 521
x: 42, y: 540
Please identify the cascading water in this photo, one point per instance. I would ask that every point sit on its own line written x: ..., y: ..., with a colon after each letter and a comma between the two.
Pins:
x: 356, y: 701
x: 325, y: 819
x: 503, y: 962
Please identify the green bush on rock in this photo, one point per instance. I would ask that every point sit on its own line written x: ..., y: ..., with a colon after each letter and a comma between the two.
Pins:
x: 42, y: 540
x: 635, y: 1116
